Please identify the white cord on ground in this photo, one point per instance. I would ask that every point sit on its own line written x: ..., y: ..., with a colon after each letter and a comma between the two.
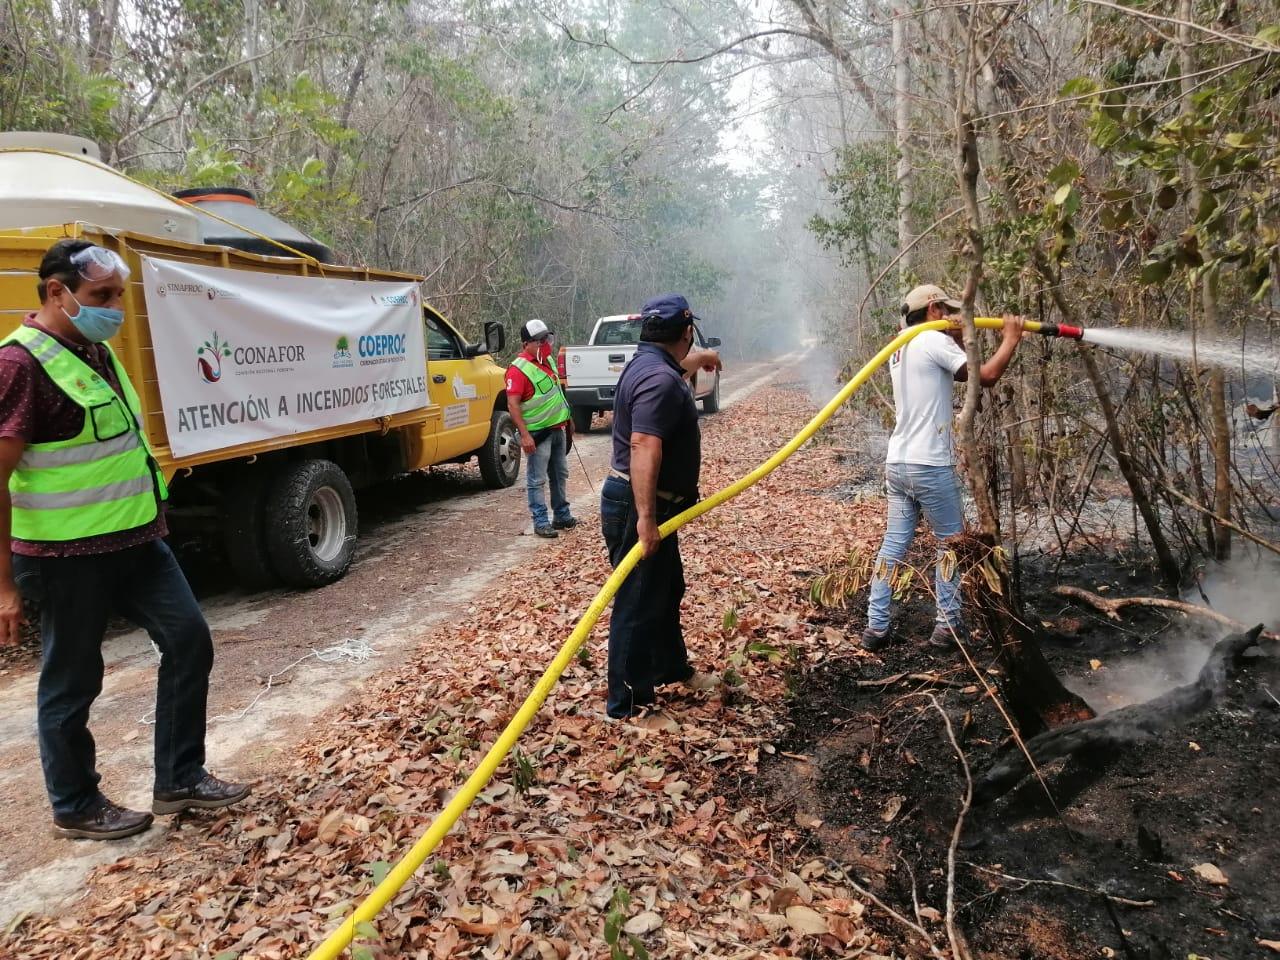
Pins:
x: 348, y: 651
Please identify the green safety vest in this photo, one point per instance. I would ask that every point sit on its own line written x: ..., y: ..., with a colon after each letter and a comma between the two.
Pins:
x: 548, y: 406
x: 103, y: 481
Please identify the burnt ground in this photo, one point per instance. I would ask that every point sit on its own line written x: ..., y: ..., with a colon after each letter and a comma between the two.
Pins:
x: 869, y: 776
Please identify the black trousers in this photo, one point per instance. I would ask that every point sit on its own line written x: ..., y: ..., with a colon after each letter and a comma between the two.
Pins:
x: 77, y: 596
x: 646, y: 643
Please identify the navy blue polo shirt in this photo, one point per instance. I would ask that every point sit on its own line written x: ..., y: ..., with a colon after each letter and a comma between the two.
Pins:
x: 654, y: 398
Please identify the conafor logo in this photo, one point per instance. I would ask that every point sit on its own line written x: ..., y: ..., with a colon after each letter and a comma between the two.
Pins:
x: 209, y: 358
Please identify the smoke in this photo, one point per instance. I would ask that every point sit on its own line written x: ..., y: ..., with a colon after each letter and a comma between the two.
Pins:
x: 1246, y: 588
x: 821, y: 371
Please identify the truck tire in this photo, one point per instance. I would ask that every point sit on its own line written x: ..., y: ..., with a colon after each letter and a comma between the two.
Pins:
x: 500, y: 455
x: 582, y: 419
x: 242, y: 523
x: 711, y: 402
x: 312, y: 523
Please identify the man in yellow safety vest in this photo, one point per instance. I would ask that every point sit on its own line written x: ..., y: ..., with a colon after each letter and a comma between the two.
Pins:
x: 82, y: 527
x: 537, y: 404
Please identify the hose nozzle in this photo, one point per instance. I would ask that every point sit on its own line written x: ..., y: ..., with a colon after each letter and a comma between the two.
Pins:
x: 1035, y: 326
x: 1056, y: 330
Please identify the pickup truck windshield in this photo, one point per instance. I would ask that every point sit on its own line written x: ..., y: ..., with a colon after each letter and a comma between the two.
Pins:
x: 625, y: 332
x: 441, y: 344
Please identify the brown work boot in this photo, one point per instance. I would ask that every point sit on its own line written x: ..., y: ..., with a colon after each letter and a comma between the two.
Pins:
x: 945, y: 638
x: 209, y: 794
x: 103, y: 820
x: 874, y: 640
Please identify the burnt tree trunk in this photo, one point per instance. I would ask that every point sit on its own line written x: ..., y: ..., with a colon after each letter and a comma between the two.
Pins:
x: 1123, y: 727
x: 1034, y: 696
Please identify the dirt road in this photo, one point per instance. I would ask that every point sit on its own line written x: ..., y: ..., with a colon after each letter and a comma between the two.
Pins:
x: 430, y: 543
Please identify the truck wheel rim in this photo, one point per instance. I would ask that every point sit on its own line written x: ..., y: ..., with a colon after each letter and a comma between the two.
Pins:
x: 508, y: 450
x: 326, y: 524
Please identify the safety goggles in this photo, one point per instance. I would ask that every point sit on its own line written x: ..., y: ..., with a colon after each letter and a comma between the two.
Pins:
x: 99, y: 263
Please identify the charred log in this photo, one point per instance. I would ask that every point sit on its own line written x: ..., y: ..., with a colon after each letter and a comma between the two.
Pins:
x: 1035, y: 697
x: 1124, y: 727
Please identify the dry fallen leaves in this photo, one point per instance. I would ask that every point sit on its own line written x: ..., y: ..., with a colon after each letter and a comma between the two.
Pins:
x: 643, y: 923
x: 806, y: 921
x: 532, y: 868
x: 892, y: 808
x: 1210, y: 874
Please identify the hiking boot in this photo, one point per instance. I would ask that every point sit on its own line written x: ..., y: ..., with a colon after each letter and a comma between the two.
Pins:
x: 694, y: 680
x: 103, y: 820
x: 209, y: 794
x: 873, y: 639
x: 703, y: 682
x: 568, y: 524
x: 944, y: 636
x: 546, y: 530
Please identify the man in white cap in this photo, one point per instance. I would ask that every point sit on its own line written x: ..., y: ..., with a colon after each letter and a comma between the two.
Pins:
x: 920, y: 473
x: 537, y: 404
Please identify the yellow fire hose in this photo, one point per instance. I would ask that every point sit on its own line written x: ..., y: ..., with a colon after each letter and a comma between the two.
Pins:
x: 444, y: 821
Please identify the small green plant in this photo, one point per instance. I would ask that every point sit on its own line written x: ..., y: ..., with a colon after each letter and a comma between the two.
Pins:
x: 364, y: 931
x: 441, y: 870
x: 731, y: 677
x: 793, y: 674
x: 730, y: 622
x: 584, y: 655
x: 901, y: 582
x: 837, y: 586
x: 622, y: 945
x: 524, y: 775
x: 768, y: 651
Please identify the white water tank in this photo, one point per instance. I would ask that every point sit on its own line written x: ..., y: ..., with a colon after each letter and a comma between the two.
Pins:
x: 39, y: 188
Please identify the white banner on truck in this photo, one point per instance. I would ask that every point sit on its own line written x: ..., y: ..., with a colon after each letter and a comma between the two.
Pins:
x: 244, y: 356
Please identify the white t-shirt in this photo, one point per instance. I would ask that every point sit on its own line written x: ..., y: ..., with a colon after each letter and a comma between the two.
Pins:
x: 923, y: 375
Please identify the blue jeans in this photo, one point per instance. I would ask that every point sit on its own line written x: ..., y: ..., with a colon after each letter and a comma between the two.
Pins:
x: 549, y: 459
x: 912, y: 488
x: 77, y: 596
x: 646, y: 642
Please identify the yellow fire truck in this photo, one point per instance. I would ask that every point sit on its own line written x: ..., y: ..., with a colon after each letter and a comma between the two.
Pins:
x: 285, y: 506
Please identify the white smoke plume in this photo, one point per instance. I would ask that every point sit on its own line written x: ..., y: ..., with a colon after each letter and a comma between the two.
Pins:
x: 1246, y: 588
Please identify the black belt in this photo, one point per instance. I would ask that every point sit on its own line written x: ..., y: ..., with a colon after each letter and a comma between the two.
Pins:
x: 662, y: 494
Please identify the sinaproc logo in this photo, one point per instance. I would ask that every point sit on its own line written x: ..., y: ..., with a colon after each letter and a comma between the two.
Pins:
x: 209, y: 358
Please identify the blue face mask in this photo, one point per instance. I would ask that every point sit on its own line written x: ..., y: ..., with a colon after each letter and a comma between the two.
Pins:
x: 96, y: 324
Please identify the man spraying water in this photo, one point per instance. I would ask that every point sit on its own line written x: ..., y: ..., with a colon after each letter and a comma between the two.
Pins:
x: 920, y: 466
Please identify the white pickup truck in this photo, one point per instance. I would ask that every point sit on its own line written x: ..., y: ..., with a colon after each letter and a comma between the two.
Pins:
x: 590, y: 373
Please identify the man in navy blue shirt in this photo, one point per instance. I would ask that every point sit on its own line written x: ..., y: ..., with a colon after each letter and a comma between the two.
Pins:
x: 657, y: 453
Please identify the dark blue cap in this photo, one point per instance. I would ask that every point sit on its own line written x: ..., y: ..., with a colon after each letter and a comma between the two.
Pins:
x: 672, y: 309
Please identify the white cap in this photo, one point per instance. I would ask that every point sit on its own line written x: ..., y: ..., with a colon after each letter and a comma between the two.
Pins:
x: 927, y: 294
x: 533, y: 330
